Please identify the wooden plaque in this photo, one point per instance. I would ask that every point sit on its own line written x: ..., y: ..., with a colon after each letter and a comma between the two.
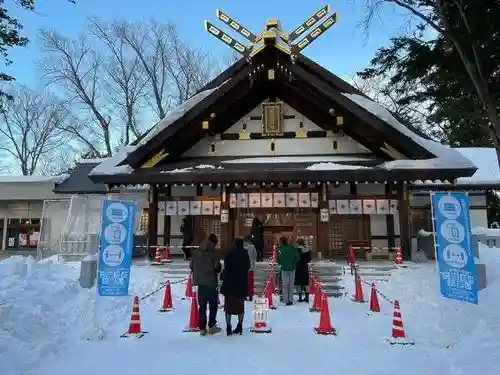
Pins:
x: 272, y: 118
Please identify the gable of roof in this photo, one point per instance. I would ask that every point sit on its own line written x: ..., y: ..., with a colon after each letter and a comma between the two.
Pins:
x: 319, y: 90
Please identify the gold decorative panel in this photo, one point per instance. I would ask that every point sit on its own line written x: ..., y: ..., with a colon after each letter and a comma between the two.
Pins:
x: 272, y: 118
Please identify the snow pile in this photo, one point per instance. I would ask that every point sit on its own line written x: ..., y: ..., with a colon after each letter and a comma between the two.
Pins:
x: 494, y: 232
x: 334, y: 167
x: 43, y: 307
x: 446, y: 157
x: 432, y: 318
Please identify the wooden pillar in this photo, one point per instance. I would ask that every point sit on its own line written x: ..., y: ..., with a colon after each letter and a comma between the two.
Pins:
x: 153, y: 221
x: 389, y: 219
x: 226, y: 229
x: 167, y: 218
x: 404, y: 219
x: 323, y: 227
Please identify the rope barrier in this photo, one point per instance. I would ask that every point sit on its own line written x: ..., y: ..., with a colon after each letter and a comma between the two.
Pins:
x: 162, y: 286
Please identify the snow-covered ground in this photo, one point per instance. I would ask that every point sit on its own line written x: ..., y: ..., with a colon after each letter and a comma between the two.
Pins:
x: 46, y: 319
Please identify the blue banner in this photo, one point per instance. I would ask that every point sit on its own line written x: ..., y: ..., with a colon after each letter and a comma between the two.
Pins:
x: 116, y: 246
x: 453, y: 241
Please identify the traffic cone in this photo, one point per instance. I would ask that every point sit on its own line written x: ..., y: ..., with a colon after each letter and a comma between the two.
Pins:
x: 167, y: 299
x: 398, y: 331
x: 193, y: 316
x: 188, y: 293
x: 260, y: 315
x: 157, y: 260
x: 316, y: 306
x: 374, y: 305
x: 325, y: 325
x: 167, y: 256
x: 269, y: 293
x: 399, y: 257
x: 270, y: 284
x: 135, y: 322
x: 358, y: 295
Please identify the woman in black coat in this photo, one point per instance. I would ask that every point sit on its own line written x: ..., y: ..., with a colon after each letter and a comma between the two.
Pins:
x: 234, y: 284
x: 302, y: 271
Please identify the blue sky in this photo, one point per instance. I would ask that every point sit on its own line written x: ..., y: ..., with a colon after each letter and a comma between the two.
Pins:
x: 343, y: 49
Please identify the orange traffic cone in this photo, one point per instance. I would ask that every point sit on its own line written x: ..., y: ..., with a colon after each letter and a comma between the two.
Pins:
x: 312, y: 286
x: 399, y: 257
x: 325, y: 325
x: 167, y: 256
x: 188, y: 293
x: 135, y: 322
x: 358, y: 295
x: 167, y: 299
x: 398, y: 331
x: 269, y: 293
x: 193, y: 316
x: 270, y: 284
x: 374, y: 305
x: 157, y: 260
x: 316, y: 306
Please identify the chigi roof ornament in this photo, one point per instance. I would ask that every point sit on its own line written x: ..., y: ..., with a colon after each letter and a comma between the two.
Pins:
x: 291, y: 44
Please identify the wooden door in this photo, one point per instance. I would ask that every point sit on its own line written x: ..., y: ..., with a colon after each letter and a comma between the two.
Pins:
x: 345, y: 230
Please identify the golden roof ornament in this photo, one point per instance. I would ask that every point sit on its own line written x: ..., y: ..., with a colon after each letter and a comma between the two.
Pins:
x: 290, y: 43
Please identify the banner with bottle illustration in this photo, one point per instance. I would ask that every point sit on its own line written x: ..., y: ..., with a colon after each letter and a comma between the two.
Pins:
x: 453, y: 244
x: 116, y: 246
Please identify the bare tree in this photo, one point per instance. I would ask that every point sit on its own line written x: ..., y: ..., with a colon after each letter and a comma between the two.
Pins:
x: 31, y: 130
x: 461, y: 35
x: 76, y: 68
x: 125, y: 80
x: 174, y: 68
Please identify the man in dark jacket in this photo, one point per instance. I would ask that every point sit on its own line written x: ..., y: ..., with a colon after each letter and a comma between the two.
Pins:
x: 206, y: 266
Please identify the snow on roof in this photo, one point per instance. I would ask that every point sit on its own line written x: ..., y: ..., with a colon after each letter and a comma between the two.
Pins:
x: 109, y: 166
x: 296, y: 159
x: 334, y: 167
x: 190, y: 169
x: 33, y: 179
x: 177, y: 113
x: 448, y: 157
x: 91, y: 161
x: 486, y: 162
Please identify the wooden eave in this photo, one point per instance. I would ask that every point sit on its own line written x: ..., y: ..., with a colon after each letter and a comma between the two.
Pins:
x: 159, y: 176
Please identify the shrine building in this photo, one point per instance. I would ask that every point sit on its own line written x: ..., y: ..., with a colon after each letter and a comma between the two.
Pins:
x: 279, y: 137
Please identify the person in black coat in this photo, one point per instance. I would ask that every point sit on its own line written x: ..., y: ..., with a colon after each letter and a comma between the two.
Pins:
x: 302, y: 271
x: 187, y: 237
x: 234, y: 284
x: 257, y: 233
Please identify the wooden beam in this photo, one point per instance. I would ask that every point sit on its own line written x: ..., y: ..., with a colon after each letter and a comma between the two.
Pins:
x: 310, y: 22
x: 200, y: 110
x: 310, y: 107
x: 226, y: 39
x: 398, y: 140
x: 404, y: 219
x: 314, y: 34
x: 236, y: 26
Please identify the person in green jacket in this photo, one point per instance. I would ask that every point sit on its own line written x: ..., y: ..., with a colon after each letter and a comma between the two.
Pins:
x: 288, y: 257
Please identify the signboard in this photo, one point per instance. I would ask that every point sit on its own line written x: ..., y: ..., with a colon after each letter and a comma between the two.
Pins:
x: 116, y: 245
x: 453, y: 244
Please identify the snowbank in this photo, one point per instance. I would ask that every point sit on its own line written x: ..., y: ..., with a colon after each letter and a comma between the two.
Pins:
x: 42, y: 307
